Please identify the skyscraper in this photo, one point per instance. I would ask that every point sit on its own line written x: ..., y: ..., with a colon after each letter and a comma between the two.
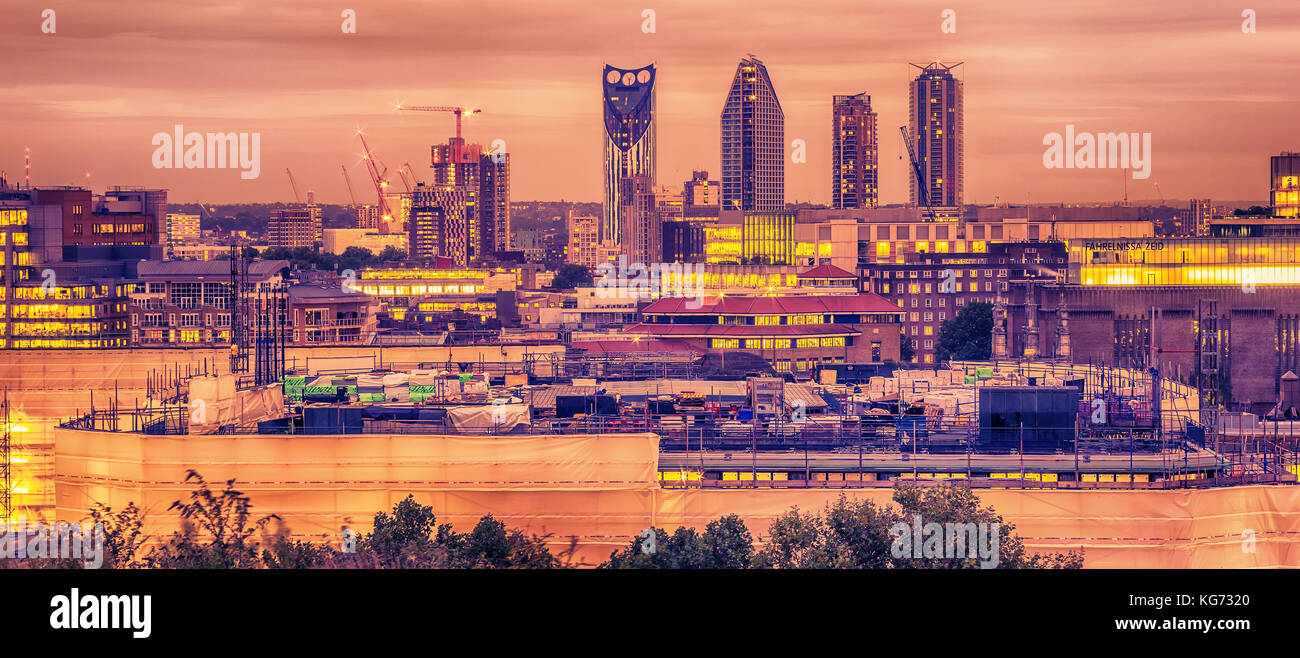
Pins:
x: 753, y: 141
x: 854, y: 153
x: 937, y: 134
x: 438, y: 225
x: 484, y: 179
x: 629, y: 113
x: 494, y: 203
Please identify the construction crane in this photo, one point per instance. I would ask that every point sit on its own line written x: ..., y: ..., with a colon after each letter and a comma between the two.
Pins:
x: 376, y: 176
x: 411, y: 171
x: 922, y: 192
x: 348, y: 179
x: 294, y: 183
x: 458, y: 111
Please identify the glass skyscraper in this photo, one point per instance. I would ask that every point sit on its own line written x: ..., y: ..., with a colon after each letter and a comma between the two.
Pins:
x: 629, y: 112
x: 753, y: 142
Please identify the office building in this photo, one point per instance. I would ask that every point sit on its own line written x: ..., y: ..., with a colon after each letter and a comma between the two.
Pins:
x: 295, y: 227
x: 753, y: 142
x: 1284, y: 184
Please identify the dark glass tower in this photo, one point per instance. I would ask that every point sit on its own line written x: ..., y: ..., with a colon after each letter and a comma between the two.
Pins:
x: 629, y: 112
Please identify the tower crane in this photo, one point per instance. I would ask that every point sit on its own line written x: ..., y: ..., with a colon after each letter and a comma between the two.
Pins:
x: 922, y: 191
x: 294, y: 183
x: 376, y: 176
x: 348, y: 179
x: 458, y: 111
x: 411, y: 171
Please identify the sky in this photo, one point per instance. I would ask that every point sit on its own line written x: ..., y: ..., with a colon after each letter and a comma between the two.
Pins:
x: 89, y: 98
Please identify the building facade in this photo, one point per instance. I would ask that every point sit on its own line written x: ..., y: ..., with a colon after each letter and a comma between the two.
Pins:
x: 753, y: 142
x: 1284, y: 184
x: 295, y: 227
x: 937, y: 132
x: 854, y: 153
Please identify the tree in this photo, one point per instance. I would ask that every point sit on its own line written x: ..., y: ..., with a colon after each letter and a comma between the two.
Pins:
x: 391, y: 254
x: 906, y: 349
x: 725, y: 544
x: 222, y: 519
x: 572, y: 276
x: 728, y: 544
x: 958, y: 504
x: 796, y: 541
x: 123, y: 534
x: 968, y: 336
x: 412, y: 538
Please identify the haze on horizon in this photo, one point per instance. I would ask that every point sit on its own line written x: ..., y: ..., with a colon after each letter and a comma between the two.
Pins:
x: 90, y: 97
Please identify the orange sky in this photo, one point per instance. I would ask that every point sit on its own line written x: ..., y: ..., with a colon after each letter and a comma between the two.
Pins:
x: 91, y: 96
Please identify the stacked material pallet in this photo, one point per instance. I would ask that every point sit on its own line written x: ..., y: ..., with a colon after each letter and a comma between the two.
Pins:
x: 293, y: 387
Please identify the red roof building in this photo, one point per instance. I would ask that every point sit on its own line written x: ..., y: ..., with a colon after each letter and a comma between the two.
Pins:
x: 793, y: 333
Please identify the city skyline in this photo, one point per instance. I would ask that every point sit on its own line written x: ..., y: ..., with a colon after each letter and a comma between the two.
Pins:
x: 1221, y: 100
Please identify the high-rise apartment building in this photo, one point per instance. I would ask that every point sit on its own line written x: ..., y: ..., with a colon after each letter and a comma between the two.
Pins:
x: 1284, y: 184
x: 438, y: 223
x: 1202, y: 211
x: 182, y: 228
x: 629, y: 115
x: 641, y: 236
x: 584, y: 240
x: 937, y: 133
x: 753, y: 141
x: 854, y: 153
x: 368, y: 217
x: 295, y: 227
x: 484, y: 178
x: 494, y: 203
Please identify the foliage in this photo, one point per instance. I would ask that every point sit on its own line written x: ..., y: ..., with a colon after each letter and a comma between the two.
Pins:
x: 906, y: 349
x: 572, y: 276
x: 1253, y: 211
x: 725, y: 544
x: 353, y: 258
x: 216, y: 532
x: 847, y: 534
x: 968, y: 336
